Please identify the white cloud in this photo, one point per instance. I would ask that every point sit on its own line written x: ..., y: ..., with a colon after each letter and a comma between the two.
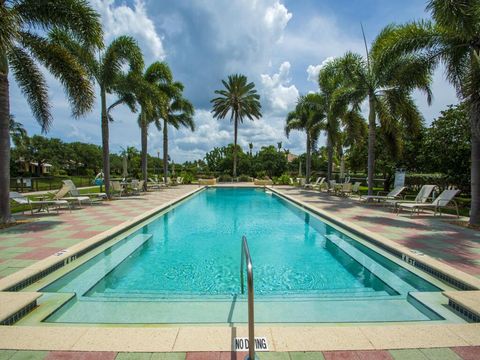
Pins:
x: 276, y: 18
x: 314, y: 70
x: 280, y: 96
x: 134, y: 21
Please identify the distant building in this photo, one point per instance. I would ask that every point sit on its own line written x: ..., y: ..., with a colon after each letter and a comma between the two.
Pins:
x: 291, y: 157
x: 31, y: 167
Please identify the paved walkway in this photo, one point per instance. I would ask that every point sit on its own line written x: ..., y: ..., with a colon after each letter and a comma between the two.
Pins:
x: 437, y: 237
x: 45, y: 234
x: 457, y: 353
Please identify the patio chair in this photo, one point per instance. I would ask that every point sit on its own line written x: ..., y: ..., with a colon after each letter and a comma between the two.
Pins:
x: 179, y: 180
x: 420, y: 198
x: 61, y: 195
x: 346, y: 189
x: 117, y: 188
x: 441, y: 202
x: 137, y: 186
x: 74, y: 191
x: 44, y: 204
x: 392, y: 195
x: 291, y: 181
x: 331, y: 186
x: 356, y: 188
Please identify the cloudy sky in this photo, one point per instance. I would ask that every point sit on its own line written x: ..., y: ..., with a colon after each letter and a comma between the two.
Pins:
x: 278, y: 44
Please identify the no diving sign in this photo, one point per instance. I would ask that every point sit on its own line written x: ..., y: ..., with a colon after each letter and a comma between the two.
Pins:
x: 242, y: 344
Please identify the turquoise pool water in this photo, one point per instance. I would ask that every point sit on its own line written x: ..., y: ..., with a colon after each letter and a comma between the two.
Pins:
x: 184, y: 267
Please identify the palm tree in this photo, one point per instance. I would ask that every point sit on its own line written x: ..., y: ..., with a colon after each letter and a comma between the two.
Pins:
x: 177, y: 113
x: 330, y: 80
x: 16, y: 130
x: 250, y: 147
x: 22, y: 47
x: 146, y: 90
x: 106, y: 70
x: 241, y: 100
x: 308, y: 116
x: 387, y: 85
x: 451, y: 38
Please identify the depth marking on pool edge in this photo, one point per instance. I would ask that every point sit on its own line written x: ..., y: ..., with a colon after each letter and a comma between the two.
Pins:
x: 241, y: 344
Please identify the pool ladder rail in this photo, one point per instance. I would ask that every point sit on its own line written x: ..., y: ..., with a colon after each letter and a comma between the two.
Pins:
x: 246, y: 259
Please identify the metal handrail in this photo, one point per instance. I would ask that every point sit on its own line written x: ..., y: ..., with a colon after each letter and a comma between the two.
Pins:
x: 251, y: 322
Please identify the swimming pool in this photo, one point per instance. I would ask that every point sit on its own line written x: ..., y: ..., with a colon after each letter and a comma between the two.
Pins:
x: 183, y: 267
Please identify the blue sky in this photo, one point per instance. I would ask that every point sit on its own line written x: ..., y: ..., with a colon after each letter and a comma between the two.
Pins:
x: 280, y: 45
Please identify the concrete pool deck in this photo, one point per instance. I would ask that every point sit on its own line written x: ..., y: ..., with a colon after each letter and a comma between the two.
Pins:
x: 46, y: 235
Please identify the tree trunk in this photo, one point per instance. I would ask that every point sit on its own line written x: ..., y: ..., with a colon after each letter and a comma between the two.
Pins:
x: 309, y: 159
x: 329, y: 158
x: 371, y: 143
x: 105, y: 141
x: 144, y: 135
x: 5, y: 215
x: 235, y: 132
x: 165, y: 152
x: 475, y: 169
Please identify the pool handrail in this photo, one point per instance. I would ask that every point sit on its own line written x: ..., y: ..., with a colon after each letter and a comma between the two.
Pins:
x: 245, y: 258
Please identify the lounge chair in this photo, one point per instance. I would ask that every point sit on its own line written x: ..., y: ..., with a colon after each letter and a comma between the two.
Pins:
x: 154, y: 184
x: 291, y: 181
x: 44, y: 204
x: 179, y: 180
x: 314, y: 185
x: 421, y: 197
x: 74, y: 191
x: 61, y: 195
x: 440, y: 202
x: 392, y: 195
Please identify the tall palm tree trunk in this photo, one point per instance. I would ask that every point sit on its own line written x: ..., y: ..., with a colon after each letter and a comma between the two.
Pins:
x: 105, y: 141
x: 144, y: 136
x: 329, y: 158
x: 235, y: 132
x: 475, y: 169
x: 371, y: 143
x: 165, y: 152
x: 309, y: 159
x: 5, y: 215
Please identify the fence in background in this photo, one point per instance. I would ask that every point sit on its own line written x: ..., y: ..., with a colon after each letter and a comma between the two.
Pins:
x: 28, y: 184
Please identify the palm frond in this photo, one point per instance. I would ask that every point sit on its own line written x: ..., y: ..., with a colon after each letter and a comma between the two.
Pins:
x: 65, y: 68
x: 32, y: 84
x: 124, y: 50
x: 76, y: 16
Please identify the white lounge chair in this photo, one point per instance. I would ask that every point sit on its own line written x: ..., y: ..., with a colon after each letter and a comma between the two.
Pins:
x: 61, y: 195
x: 421, y: 197
x: 311, y: 186
x: 74, y: 191
x: 44, y: 204
x: 440, y: 202
x: 392, y: 195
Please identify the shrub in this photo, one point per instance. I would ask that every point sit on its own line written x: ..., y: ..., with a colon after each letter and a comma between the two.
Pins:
x: 225, y: 178
x: 283, y: 180
x: 188, y: 178
x: 244, y: 178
